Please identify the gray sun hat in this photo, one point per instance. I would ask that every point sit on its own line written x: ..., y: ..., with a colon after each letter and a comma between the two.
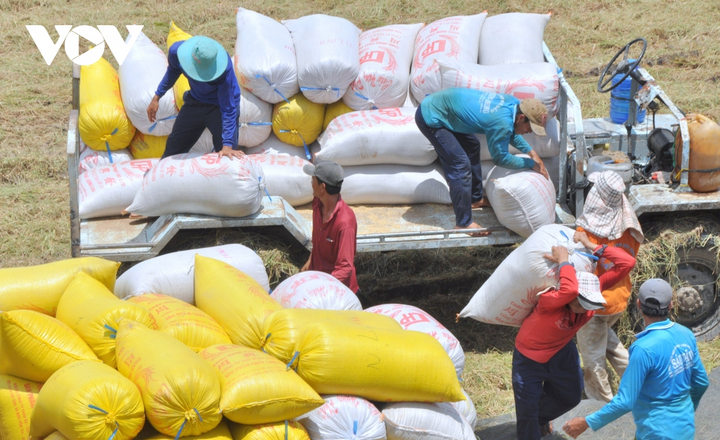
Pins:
x: 589, y: 292
x: 658, y: 290
x: 327, y: 171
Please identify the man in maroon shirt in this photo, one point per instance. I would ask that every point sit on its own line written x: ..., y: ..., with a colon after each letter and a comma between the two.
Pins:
x: 334, y: 226
x: 546, y: 375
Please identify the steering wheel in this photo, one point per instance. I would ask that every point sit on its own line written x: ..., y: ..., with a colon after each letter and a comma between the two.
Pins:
x: 624, y: 66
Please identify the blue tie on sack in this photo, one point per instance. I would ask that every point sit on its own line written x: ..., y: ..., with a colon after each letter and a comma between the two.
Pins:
x: 327, y: 89
x: 152, y: 127
x: 366, y: 99
x: 307, y: 152
x: 271, y: 85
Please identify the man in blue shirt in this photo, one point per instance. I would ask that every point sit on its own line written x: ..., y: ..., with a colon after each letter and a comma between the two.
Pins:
x: 450, y: 118
x: 664, y: 380
x: 212, y: 102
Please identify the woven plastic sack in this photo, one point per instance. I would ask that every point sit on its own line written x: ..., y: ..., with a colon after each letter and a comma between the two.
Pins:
x: 466, y: 408
x: 93, y: 312
x: 233, y: 299
x: 416, y: 319
x: 552, y: 165
x: 370, y: 137
x: 186, y: 323
x: 88, y: 400
x: 89, y: 158
x: 327, y: 55
x: 385, y: 57
x: 298, y: 121
x: 395, y: 185
x: 56, y: 436
x: 17, y: 400
x: 147, y: 146
x: 265, y: 57
x: 315, y: 290
x: 108, y: 190
x: 523, y: 81
x: 545, y: 146
x: 284, y: 177
x: 514, y: 38
x: 40, y: 287
x: 141, y: 72
x: 33, y: 346
x: 334, y: 110
x: 510, y: 294
x: 102, y: 122
x: 416, y: 420
x: 257, y: 388
x: 254, y: 120
x: 220, y: 432
x: 451, y: 38
x: 287, y: 430
x: 181, y: 392
x: 283, y: 328
x: 273, y: 145
x: 182, y: 84
x: 377, y: 364
x: 173, y: 274
x: 188, y: 184
x: 345, y: 417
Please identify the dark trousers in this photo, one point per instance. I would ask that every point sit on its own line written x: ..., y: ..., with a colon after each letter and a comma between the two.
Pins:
x: 194, y: 117
x: 460, y: 159
x: 544, y: 392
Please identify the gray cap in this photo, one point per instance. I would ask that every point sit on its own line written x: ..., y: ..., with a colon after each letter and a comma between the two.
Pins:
x: 327, y: 171
x: 658, y: 290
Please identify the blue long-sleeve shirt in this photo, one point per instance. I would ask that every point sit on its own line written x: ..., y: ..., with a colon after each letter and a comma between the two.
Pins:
x: 662, y: 385
x: 471, y: 111
x: 223, y: 91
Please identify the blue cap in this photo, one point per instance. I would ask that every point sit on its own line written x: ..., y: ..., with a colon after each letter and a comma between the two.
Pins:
x: 202, y: 59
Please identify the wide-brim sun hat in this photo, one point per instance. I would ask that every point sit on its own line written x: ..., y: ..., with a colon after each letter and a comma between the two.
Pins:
x: 202, y: 59
x: 589, y: 292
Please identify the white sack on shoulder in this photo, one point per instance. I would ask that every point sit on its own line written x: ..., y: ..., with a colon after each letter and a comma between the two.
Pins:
x: 420, y: 421
x: 327, y: 55
x: 315, y: 290
x: 173, y: 274
x: 140, y: 74
x: 514, y: 38
x: 344, y: 417
x: 284, y: 177
x: 451, y: 38
x: 201, y: 184
x: 89, y: 158
x: 254, y: 120
x: 414, y: 318
x: 106, y: 191
x: 523, y: 81
x: 510, y: 294
x: 394, y: 185
x: 386, y: 54
x: 545, y: 146
x: 273, y: 145
x: 265, y: 57
x: 369, y: 137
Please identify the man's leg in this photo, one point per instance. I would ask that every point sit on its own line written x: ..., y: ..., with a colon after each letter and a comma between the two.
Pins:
x: 527, y: 380
x: 592, y: 341
x: 616, y: 352
x: 471, y: 145
x: 563, y: 390
x: 187, y: 129
x: 214, y: 123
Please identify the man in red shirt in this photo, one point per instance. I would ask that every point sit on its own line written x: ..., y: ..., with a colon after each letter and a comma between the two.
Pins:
x: 334, y: 226
x: 546, y: 375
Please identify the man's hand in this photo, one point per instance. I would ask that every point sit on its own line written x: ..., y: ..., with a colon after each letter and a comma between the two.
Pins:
x: 539, y: 165
x: 559, y: 255
x: 227, y: 151
x: 575, y: 427
x: 153, y: 108
x: 582, y: 237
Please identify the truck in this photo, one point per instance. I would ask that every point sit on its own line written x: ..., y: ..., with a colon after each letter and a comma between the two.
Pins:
x: 406, y: 228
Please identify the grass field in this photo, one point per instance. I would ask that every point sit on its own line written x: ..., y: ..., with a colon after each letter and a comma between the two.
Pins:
x: 683, y: 54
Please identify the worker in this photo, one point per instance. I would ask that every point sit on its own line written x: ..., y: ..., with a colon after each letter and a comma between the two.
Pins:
x: 334, y: 229
x: 608, y: 219
x: 450, y: 118
x: 665, y: 378
x: 212, y: 102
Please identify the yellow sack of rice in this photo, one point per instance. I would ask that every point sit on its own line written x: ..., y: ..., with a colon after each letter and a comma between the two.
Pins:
x: 55, y: 436
x: 233, y: 299
x: 93, y: 312
x: 182, y: 321
x: 299, y: 121
x: 147, y: 146
x: 17, y: 399
x: 332, y: 111
x: 88, y: 400
x: 377, y: 364
x: 286, y: 430
x: 33, y: 346
x: 180, y: 390
x: 283, y: 328
x: 40, y: 287
x: 181, y: 85
x: 221, y: 432
x: 257, y: 388
x: 102, y: 122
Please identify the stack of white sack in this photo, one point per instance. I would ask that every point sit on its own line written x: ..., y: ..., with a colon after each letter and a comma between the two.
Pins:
x: 326, y: 48
x: 265, y: 57
x: 273, y: 145
x: 451, y: 38
x: 89, y: 158
x: 386, y: 54
x: 344, y: 417
x: 140, y: 74
x: 514, y: 38
x: 107, y: 190
x: 511, y: 292
x: 395, y: 185
x: 315, y: 290
x: 417, y: 420
x: 466, y: 408
x: 200, y: 184
x: 284, y: 177
x: 254, y: 120
x: 173, y: 274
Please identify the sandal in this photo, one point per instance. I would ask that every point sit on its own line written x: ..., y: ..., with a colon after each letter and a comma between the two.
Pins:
x: 546, y: 429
